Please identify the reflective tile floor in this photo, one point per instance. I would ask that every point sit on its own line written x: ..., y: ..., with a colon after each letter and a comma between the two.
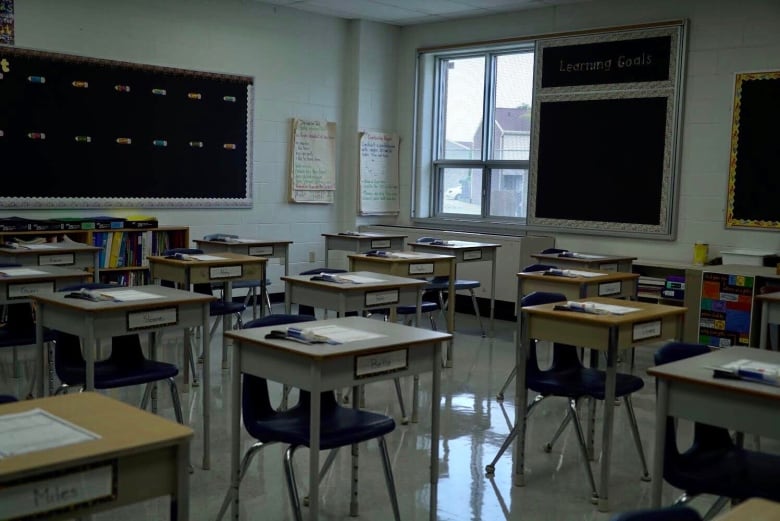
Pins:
x: 473, y: 425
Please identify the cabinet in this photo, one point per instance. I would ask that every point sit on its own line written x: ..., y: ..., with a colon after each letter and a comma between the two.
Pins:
x: 123, y: 251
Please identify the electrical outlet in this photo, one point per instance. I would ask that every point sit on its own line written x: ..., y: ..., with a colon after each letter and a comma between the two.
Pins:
x: 312, y: 257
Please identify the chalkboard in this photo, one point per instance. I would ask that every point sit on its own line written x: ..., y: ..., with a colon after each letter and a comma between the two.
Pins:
x: 604, y: 132
x: 84, y: 132
x: 380, y: 182
x: 313, y: 162
x: 755, y: 156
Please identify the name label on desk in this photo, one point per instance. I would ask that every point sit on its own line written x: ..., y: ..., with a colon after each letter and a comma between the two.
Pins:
x: 421, y: 268
x: 610, y: 288
x: 380, y: 243
x: 610, y: 266
x: 28, y: 290
x: 261, y: 251
x: 472, y: 255
x: 225, y: 272
x: 58, y: 492
x: 152, y: 318
x: 647, y: 330
x: 59, y: 259
x: 381, y: 363
x: 377, y: 298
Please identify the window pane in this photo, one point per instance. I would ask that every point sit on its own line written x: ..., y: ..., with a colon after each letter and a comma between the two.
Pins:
x: 461, y: 191
x: 507, y: 192
x: 512, y: 112
x: 462, y: 99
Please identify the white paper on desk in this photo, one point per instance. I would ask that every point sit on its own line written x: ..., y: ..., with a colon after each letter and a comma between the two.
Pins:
x: 127, y: 295
x: 238, y: 239
x: 405, y: 255
x: 35, y: 430
x: 615, y: 310
x: 586, y: 256
x: 21, y: 272
x: 205, y: 257
x: 343, y: 334
x: 358, y: 279
x: 588, y: 274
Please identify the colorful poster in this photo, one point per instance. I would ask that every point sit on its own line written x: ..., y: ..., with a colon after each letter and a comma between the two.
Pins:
x: 726, y: 305
x: 7, y: 22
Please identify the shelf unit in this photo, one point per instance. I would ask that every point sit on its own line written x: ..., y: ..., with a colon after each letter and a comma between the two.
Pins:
x: 128, y: 266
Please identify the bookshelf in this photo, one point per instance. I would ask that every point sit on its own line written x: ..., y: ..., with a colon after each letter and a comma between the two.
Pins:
x: 124, y: 250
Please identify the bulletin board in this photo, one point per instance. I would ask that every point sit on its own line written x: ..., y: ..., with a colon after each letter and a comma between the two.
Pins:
x: 725, y: 313
x: 313, y: 162
x: 87, y: 133
x: 754, y: 183
x: 379, y: 176
x: 604, y: 136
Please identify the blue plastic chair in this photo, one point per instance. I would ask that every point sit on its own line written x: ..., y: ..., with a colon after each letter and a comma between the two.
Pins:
x: 7, y: 398
x: 339, y: 427
x: 675, y: 513
x: 549, y: 251
x: 714, y: 463
x: 126, y: 365
x: 568, y: 378
x: 441, y: 284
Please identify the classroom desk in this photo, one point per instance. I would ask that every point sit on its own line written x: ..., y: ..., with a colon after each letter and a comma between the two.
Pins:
x: 770, y: 314
x: 608, y: 333
x: 46, y: 279
x: 592, y: 261
x: 360, y: 242
x: 687, y: 389
x: 317, y: 368
x: 146, y: 454
x: 753, y: 509
x: 416, y: 265
x: 466, y: 251
x: 387, y: 292
x: 607, y: 284
x: 256, y: 248
x: 225, y: 268
x: 91, y: 321
x: 71, y: 255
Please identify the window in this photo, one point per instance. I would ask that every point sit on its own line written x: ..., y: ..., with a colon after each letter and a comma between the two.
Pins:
x: 477, y: 170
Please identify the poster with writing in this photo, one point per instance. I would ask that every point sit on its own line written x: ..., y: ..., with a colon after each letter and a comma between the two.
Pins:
x: 379, y: 176
x: 725, y: 312
x: 313, y: 162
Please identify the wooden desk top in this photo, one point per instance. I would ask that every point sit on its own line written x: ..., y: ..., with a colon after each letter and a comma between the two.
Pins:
x: 50, y: 247
x: 393, y: 336
x: 240, y: 241
x: 455, y: 245
x: 590, y: 259
x: 171, y: 296
x: 754, y: 509
x: 698, y: 370
x: 227, y: 259
x: 123, y: 429
x: 365, y: 235
x: 605, y: 276
x: 402, y: 257
x: 647, y: 312
x: 386, y: 281
x: 47, y: 273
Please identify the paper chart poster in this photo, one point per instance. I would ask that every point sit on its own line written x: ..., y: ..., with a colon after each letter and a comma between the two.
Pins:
x: 379, y: 176
x: 726, y: 306
x: 7, y: 22
x: 313, y: 162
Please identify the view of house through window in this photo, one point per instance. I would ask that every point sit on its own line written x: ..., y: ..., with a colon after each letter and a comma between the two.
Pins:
x: 482, y: 170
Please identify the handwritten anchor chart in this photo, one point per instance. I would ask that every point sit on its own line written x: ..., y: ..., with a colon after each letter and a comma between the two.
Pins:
x: 313, y: 162
x: 379, y: 176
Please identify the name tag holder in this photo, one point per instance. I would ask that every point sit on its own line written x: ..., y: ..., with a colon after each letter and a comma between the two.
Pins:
x: 610, y: 288
x: 261, y: 251
x: 380, y: 243
x: 381, y: 363
x: 225, y: 272
x: 470, y: 255
x: 424, y: 268
x: 646, y: 330
x: 57, y: 259
x: 152, y: 318
x: 21, y: 290
x: 383, y: 297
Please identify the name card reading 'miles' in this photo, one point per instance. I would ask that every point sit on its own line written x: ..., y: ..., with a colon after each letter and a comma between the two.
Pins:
x: 225, y: 272
x: 421, y: 268
x: 152, y: 318
x: 58, y: 493
x: 59, y: 259
x: 261, y: 251
x: 610, y: 288
x: 381, y: 363
x: 377, y: 298
x: 380, y: 243
x: 29, y: 290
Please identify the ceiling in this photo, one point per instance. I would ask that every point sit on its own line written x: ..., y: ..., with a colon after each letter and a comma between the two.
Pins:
x: 409, y: 12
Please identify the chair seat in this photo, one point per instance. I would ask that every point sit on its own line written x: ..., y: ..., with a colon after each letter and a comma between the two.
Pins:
x: 11, y: 339
x: 243, y: 284
x: 443, y: 284
x: 220, y: 307
x: 425, y: 307
x: 109, y: 375
x: 340, y: 426
x: 625, y: 384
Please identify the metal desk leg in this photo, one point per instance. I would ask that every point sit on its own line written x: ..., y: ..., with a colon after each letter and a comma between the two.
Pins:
x: 521, y: 400
x: 609, y: 417
x: 661, y: 413
x: 435, y: 418
x: 206, y: 388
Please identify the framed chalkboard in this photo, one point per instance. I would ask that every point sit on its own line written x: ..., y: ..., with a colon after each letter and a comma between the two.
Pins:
x: 604, y: 141
x: 84, y: 132
x: 755, y: 157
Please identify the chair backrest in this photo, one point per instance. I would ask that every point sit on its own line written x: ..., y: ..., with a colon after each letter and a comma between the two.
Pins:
x: 538, y: 267
x: 675, y: 513
x: 424, y: 240
x: 565, y: 356
x: 255, y: 398
x: 553, y: 250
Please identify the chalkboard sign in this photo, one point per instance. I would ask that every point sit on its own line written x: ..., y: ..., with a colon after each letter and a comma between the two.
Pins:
x: 755, y: 157
x: 604, y: 132
x: 83, y: 132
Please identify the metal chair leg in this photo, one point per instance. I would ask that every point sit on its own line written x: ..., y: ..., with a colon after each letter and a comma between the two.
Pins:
x: 500, y: 394
x: 548, y: 447
x: 292, y: 488
x: 490, y: 468
x: 404, y: 417
x: 232, y: 493
x: 389, y: 478
x: 584, y: 450
x: 476, y: 311
x: 637, y: 440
